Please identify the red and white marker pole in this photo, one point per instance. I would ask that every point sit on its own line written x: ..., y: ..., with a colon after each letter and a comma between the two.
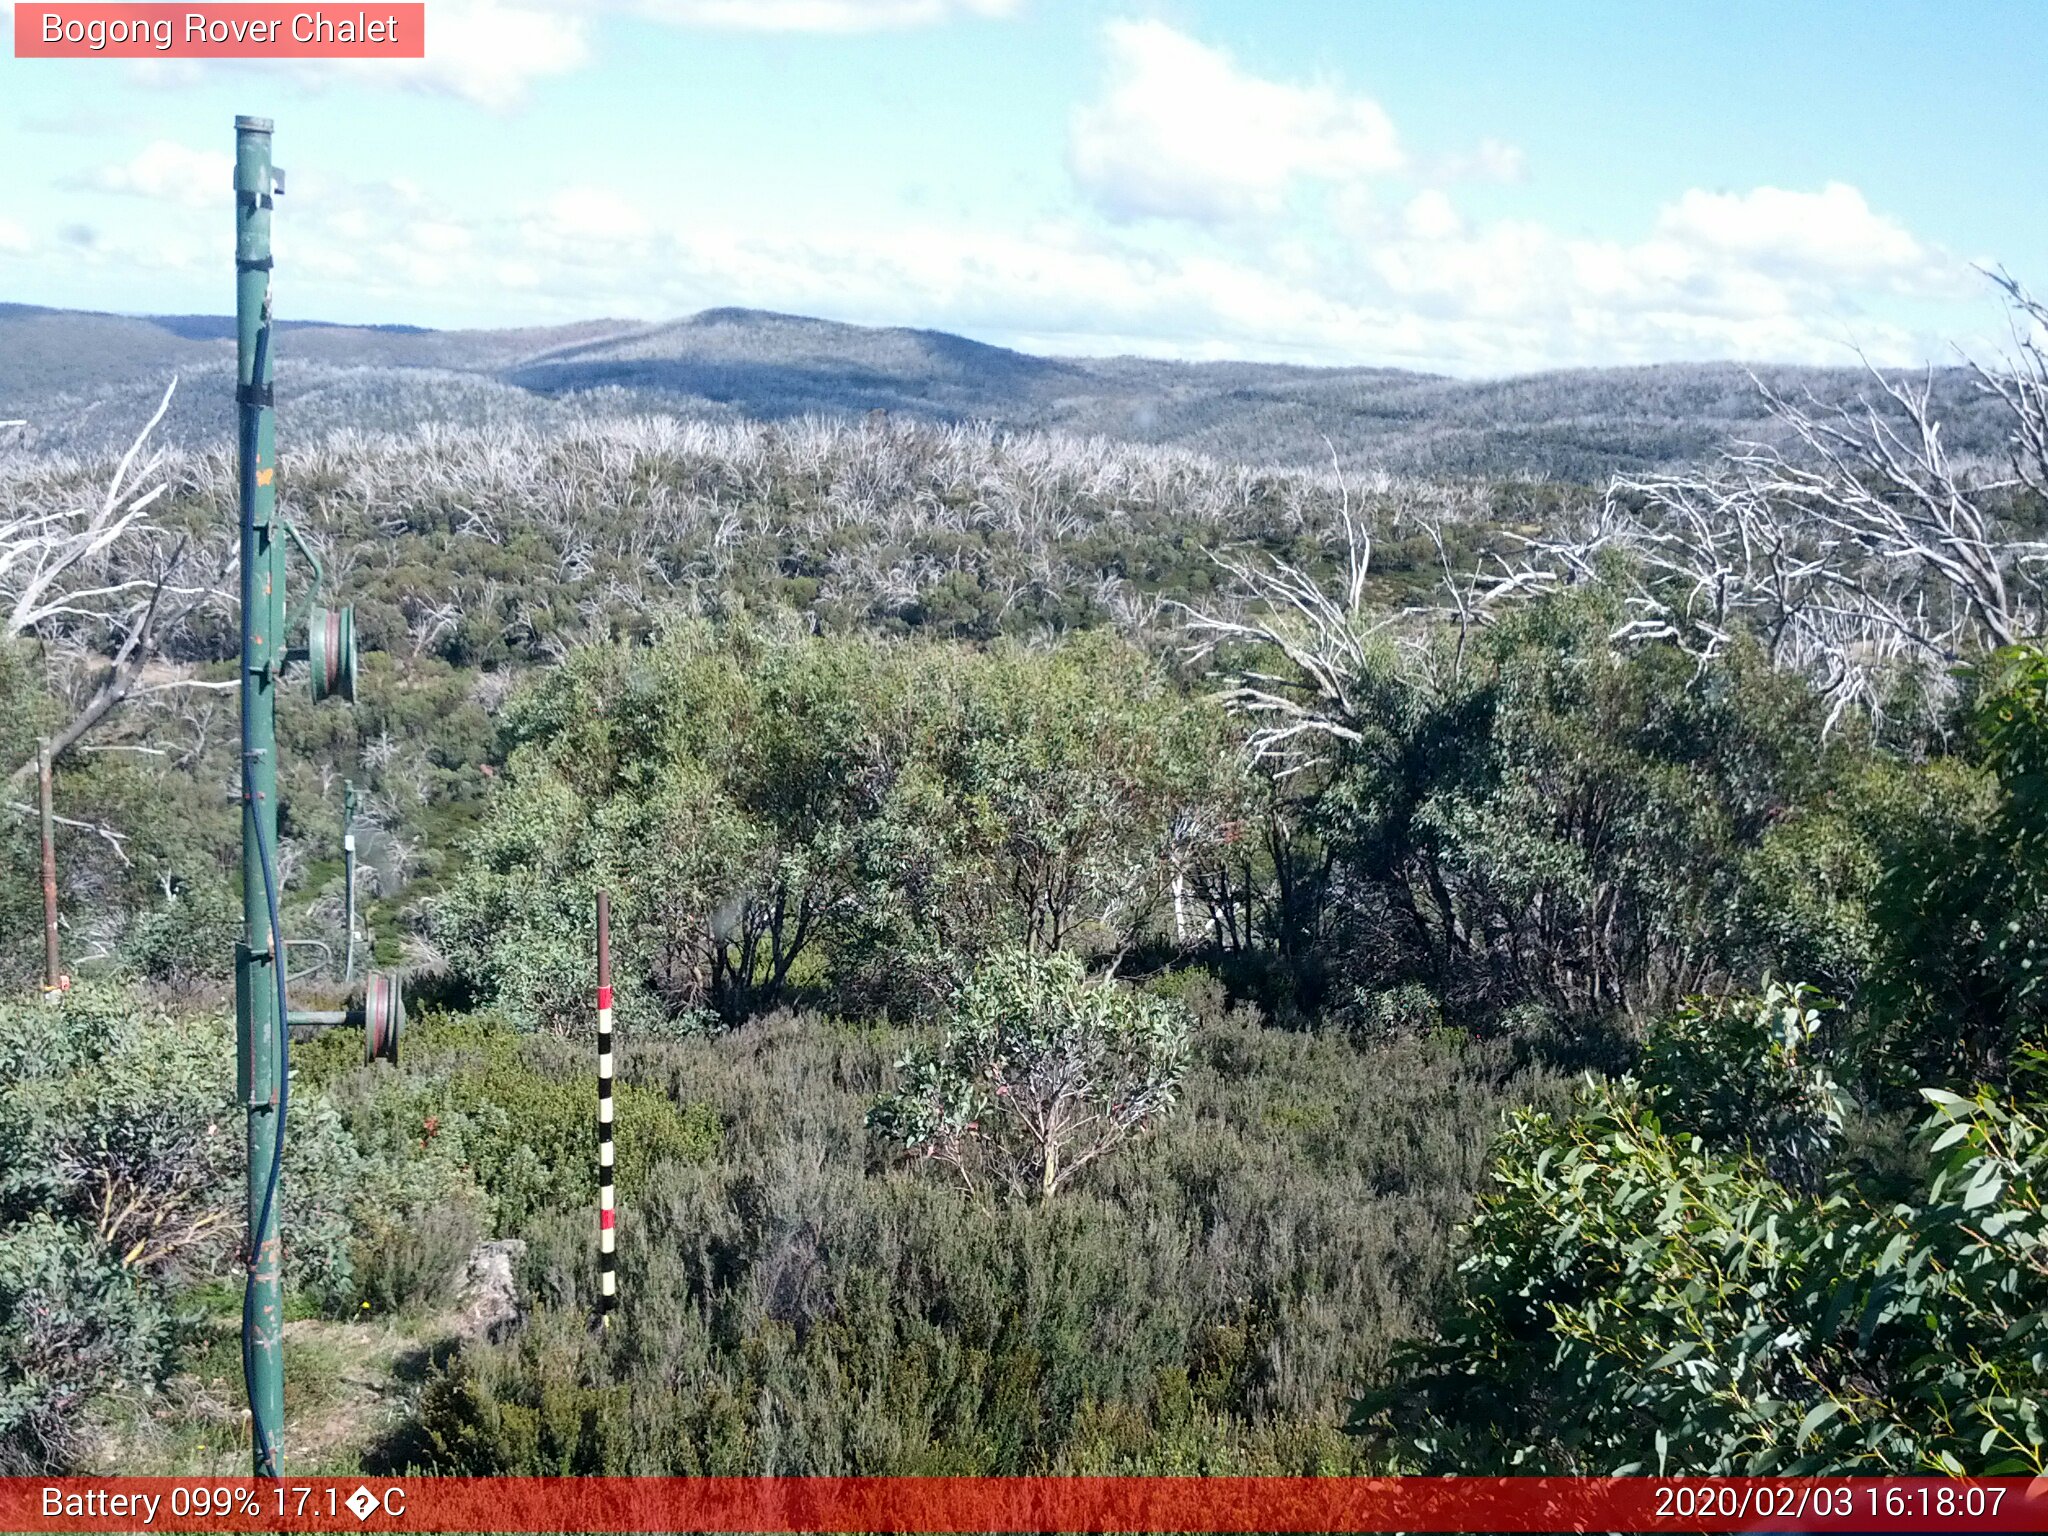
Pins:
x: 607, y: 1213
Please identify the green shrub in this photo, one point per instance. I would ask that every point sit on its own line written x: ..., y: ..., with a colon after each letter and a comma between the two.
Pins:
x: 510, y: 1119
x: 797, y: 1307
x: 188, y: 938
x: 1749, y: 1073
x: 121, y: 1182
x: 1804, y: 908
x: 774, y: 810
x: 1200, y: 993
x: 1956, y: 990
x: 74, y: 1323
x: 113, y: 1120
x: 1392, y: 1012
x: 411, y: 1260
x: 1040, y: 1073
x: 1634, y: 1301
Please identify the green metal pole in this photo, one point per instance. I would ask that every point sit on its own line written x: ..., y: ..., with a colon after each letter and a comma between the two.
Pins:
x: 259, y: 961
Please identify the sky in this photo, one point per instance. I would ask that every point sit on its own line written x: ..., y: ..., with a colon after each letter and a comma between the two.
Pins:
x: 1466, y: 186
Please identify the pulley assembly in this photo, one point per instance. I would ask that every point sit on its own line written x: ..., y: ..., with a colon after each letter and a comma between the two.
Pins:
x: 331, y: 653
x: 383, y: 1017
x: 378, y: 1011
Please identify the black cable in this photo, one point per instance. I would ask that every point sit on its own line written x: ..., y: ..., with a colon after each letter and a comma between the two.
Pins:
x: 284, y: 1083
x: 265, y: 1450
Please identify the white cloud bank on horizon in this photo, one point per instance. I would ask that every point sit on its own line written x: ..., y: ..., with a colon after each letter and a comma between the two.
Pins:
x: 1182, y: 134
x: 1508, y: 297
x: 1378, y: 270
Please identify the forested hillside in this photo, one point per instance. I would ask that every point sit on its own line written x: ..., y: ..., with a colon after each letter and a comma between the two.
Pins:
x: 1128, y: 959
x: 81, y: 381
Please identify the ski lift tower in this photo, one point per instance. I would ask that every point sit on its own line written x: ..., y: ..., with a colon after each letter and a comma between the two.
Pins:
x: 263, y: 1017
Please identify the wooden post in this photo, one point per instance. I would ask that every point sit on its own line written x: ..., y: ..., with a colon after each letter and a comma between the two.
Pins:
x: 607, y: 1213
x: 53, y: 973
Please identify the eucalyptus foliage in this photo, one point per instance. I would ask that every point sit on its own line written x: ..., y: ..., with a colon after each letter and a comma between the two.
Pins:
x: 1963, y: 898
x: 1534, y: 814
x: 1750, y: 1072
x: 1041, y: 1072
x: 773, y: 811
x: 1638, y: 1296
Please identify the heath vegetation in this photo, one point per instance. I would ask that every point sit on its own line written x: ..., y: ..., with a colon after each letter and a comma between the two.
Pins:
x: 1126, y: 961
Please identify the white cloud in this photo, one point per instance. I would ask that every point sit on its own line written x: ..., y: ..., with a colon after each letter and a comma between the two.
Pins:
x: 490, y: 52
x: 1184, y: 132
x: 13, y: 238
x: 1832, y: 231
x: 486, y: 51
x: 1429, y: 288
x: 597, y: 213
x: 493, y: 52
x: 78, y: 120
x: 1765, y: 274
x: 815, y: 15
x: 168, y: 172
x: 1416, y: 281
x: 1430, y: 216
x: 1393, y: 261
x: 1489, y: 160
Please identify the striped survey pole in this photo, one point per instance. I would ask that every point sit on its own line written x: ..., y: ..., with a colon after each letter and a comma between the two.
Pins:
x: 607, y: 1212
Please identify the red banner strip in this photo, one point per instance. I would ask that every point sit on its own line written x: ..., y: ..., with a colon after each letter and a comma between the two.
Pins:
x: 377, y: 30
x: 604, y: 997
x: 1119, y: 1504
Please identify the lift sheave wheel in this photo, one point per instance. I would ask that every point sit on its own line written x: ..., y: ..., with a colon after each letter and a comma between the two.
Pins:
x: 383, y: 1017
x: 331, y: 651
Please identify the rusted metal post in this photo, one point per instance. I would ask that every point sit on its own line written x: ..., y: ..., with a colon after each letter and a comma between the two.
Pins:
x: 607, y: 1213
x: 53, y: 972
x: 348, y: 875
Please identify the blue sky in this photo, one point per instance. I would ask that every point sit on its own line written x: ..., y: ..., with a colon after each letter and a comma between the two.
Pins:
x: 1473, y: 187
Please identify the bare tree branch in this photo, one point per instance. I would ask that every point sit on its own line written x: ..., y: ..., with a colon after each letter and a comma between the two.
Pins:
x: 104, y: 566
x: 1864, y: 555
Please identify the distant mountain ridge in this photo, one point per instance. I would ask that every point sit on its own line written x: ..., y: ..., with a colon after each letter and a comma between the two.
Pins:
x: 84, y: 380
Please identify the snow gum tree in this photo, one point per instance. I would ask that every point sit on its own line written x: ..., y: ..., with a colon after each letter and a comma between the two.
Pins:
x: 1041, y: 1072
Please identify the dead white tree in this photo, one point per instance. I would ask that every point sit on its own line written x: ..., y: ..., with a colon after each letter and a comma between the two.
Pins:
x: 44, y: 550
x: 99, y: 572
x: 2022, y: 385
x: 1707, y: 558
x: 1863, y: 554
x: 1322, y: 636
x: 1886, y: 484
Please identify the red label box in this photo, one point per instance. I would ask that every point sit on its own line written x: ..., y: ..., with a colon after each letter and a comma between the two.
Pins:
x: 322, y: 1506
x: 216, y: 31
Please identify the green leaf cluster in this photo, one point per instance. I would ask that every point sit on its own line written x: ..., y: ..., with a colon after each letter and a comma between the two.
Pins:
x: 121, y: 1183
x: 1041, y: 1072
x: 1639, y: 1296
x: 779, y: 814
